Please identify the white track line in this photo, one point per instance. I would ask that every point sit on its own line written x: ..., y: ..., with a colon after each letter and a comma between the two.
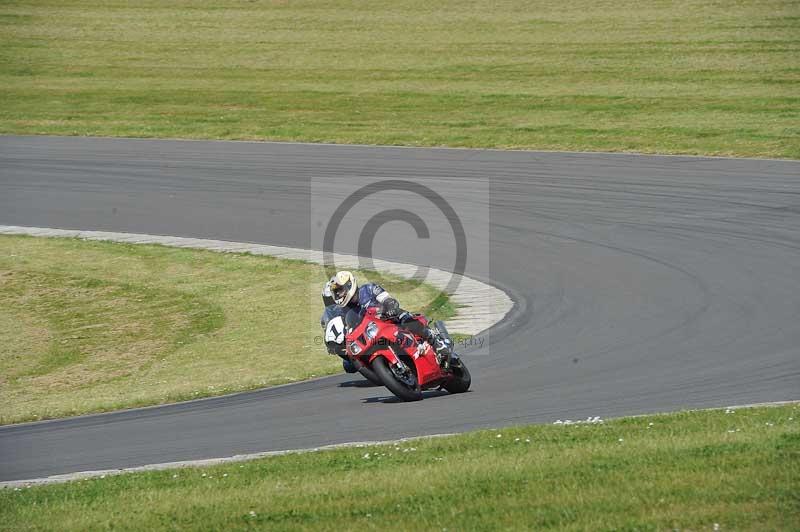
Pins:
x: 69, y: 477
x: 478, y: 305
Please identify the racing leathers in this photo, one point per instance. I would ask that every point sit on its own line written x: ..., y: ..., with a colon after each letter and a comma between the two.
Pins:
x: 332, y: 322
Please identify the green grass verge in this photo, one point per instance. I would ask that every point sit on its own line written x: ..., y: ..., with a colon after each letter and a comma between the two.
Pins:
x: 96, y: 326
x: 687, y: 471
x: 696, y: 76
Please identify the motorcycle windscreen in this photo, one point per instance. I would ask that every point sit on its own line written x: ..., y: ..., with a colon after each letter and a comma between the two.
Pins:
x: 353, y: 319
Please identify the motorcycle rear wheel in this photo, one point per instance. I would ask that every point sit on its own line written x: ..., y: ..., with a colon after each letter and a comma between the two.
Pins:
x: 400, y: 389
x: 461, y: 380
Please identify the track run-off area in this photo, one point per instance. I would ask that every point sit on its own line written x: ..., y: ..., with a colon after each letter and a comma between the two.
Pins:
x: 640, y: 284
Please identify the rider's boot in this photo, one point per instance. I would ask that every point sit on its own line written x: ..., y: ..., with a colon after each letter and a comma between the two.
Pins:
x: 442, y: 346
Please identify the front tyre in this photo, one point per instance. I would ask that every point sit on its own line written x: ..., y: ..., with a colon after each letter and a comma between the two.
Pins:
x: 461, y: 379
x: 406, y: 389
x: 369, y: 374
x: 348, y: 366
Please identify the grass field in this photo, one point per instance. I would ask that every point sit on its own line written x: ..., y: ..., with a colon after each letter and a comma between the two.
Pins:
x: 707, y: 470
x: 96, y: 326
x: 692, y: 76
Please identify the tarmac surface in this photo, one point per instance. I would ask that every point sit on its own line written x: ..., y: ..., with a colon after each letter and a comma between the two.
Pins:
x: 642, y: 284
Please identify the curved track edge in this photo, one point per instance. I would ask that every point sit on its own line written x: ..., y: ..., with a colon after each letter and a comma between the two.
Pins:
x: 479, y: 305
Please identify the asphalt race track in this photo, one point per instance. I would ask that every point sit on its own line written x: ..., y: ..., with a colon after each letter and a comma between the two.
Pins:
x: 643, y: 284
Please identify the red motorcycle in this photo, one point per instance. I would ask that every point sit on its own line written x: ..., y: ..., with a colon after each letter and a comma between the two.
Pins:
x: 405, y: 363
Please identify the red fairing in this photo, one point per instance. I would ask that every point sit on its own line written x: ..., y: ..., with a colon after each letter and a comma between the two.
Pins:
x: 360, y: 346
x: 366, y: 349
x: 428, y: 370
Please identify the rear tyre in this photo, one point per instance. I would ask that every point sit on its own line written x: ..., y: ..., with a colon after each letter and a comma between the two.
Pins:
x: 405, y: 391
x: 461, y: 379
x: 369, y: 374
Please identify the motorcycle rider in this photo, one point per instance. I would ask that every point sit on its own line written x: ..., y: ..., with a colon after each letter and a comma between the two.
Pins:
x: 332, y: 322
x: 348, y: 295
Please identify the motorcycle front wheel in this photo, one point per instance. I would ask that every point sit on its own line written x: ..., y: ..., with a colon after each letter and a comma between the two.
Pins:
x: 406, y: 389
x: 368, y: 373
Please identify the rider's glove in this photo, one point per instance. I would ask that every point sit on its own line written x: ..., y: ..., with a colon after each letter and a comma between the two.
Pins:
x: 335, y: 349
x: 390, y: 308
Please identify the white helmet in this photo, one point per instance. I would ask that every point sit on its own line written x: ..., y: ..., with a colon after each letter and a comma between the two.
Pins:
x: 343, y: 287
